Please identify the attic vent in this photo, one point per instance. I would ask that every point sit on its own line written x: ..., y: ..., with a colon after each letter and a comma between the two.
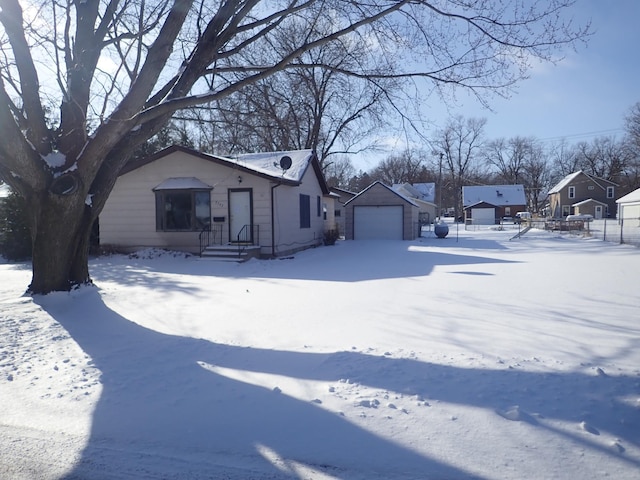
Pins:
x: 499, y: 193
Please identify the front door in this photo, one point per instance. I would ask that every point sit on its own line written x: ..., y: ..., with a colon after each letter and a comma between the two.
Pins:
x: 598, y: 211
x: 240, y: 215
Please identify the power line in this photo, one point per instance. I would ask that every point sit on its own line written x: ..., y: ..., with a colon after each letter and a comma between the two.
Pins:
x: 586, y: 134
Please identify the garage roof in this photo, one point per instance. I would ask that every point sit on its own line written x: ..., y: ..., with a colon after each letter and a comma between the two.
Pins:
x: 403, y: 197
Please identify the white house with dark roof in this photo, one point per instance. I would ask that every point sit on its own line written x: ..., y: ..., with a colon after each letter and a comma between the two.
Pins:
x: 487, y: 204
x: 182, y: 199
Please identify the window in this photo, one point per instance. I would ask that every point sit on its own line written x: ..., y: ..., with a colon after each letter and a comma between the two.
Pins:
x: 338, y: 213
x: 610, y: 192
x: 566, y: 210
x: 182, y: 210
x: 305, y: 211
x: 507, y: 211
x: 572, y: 192
x: 318, y: 206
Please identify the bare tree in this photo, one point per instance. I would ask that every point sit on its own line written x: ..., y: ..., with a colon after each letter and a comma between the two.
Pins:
x: 307, y: 107
x: 603, y: 157
x: 461, y: 142
x: 119, y: 70
x: 564, y: 160
x: 339, y: 171
x: 632, y: 123
x: 509, y: 157
x: 406, y: 167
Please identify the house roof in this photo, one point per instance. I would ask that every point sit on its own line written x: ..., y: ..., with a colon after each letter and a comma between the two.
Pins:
x: 421, y: 191
x: 480, y: 204
x: 498, y: 195
x: 395, y: 192
x: 630, y: 197
x: 264, y: 164
x: 572, y: 176
x: 588, y: 200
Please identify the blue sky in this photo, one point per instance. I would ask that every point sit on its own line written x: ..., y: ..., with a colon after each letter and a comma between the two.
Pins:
x: 588, y: 93
x: 584, y: 96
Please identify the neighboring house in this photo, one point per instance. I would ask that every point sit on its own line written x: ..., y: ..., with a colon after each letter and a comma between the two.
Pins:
x: 341, y: 197
x: 422, y: 194
x: 581, y: 193
x: 487, y: 204
x: 276, y: 201
x: 379, y: 212
x: 629, y: 209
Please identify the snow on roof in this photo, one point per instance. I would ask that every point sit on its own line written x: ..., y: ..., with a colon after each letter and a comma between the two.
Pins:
x: 571, y: 177
x: 565, y: 181
x: 419, y: 191
x: 630, y: 197
x: 270, y: 163
x: 494, y: 194
x: 183, y: 183
x: 399, y: 194
x: 585, y: 202
x: 427, y: 190
x: 4, y: 190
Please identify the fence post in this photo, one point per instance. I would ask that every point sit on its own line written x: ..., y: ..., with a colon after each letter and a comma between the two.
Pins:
x: 621, y: 230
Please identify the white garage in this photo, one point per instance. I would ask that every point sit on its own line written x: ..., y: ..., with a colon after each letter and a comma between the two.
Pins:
x: 382, y: 222
x: 483, y: 216
x: 629, y: 208
x: 379, y: 212
x: 481, y: 213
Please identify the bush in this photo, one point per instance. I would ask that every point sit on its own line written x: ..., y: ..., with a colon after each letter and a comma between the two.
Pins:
x: 15, y: 237
x: 330, y: 237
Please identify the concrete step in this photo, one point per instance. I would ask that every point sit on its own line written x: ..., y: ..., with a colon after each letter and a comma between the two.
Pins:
x: 230, y: 253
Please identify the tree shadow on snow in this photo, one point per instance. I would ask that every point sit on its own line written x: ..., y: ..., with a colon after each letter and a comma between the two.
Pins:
x: 167, y: 410
x: 164, y: 413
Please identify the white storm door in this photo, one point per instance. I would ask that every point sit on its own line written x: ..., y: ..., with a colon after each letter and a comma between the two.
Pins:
x: 598, y: 211
x: 240, y: 215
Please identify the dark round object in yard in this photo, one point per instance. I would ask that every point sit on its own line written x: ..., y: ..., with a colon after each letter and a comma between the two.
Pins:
x: 441, y: 230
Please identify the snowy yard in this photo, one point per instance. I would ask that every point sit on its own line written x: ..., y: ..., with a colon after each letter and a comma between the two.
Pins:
x: 476, y: 357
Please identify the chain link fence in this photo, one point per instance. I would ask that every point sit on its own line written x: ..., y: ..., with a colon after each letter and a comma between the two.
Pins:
x: 626, y: 230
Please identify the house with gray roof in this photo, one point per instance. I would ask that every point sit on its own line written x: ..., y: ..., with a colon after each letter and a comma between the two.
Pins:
x: 488, y: 204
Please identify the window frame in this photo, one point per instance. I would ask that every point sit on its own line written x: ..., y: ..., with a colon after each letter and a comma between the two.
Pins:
x: 611, y: 192
x: 571, y: 192
x: 161, y: 212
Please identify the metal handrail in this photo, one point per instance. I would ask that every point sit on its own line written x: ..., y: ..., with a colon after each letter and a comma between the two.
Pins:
x: 204, y: 238
x: 249, y: 234
x: 206, y: 234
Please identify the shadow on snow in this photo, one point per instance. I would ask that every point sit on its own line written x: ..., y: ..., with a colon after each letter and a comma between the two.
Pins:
x: 158, y: 394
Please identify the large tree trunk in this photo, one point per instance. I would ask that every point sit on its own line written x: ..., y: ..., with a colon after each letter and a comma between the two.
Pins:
x: 61, y: 229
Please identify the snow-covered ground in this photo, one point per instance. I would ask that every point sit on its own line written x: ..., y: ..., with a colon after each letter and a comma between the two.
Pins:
x: 469, y: 357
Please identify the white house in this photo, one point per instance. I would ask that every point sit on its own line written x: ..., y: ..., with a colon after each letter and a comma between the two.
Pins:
x: 486, y: 204
x: 186, y: 200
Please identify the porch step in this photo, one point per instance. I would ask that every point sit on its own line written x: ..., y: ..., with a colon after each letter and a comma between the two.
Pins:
x: 230, y: 253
